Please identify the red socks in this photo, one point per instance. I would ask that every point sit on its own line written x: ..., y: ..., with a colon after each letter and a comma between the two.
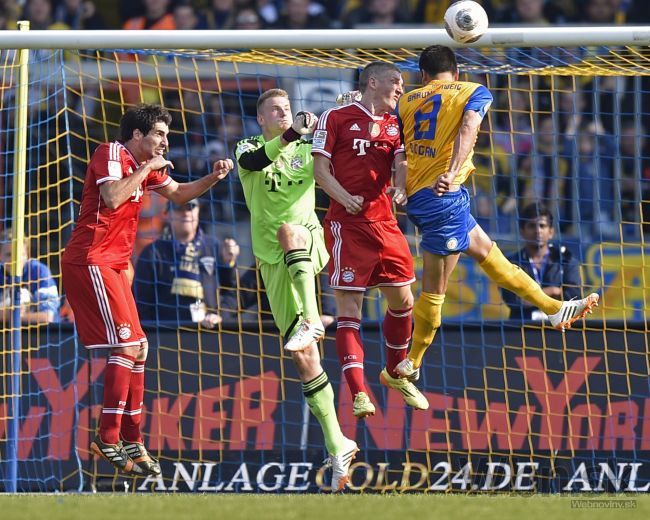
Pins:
x: 397, y: 334
x: 117, y: 377
x: 132, y: 418
x: 350, y: 352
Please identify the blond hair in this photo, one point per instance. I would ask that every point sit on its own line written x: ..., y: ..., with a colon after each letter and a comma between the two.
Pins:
x: 272, y: 92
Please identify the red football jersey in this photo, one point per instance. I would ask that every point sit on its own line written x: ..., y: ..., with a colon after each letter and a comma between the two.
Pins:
x: 361, y: 148
x: 104, y: 236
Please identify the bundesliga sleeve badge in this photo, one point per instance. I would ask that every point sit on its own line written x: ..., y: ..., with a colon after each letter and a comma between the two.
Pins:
x: 114, y: 169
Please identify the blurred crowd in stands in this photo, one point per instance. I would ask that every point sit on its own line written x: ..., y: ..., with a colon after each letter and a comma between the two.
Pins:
x: 578, y: 147
x: 303, y: 14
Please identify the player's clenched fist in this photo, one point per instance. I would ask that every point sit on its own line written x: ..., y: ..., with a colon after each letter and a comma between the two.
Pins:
x: 398, y: 195
x: 221, y: 168
x: 354, y: 204
x: 304, y: 123
x: 443, y: 183
x: 158, y: 163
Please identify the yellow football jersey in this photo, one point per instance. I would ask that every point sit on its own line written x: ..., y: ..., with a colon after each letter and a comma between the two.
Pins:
x: 430, y: 117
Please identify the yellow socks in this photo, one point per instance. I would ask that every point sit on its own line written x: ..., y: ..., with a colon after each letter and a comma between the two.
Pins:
x: 428, y: 309
x: 427, y: 317
x: 511, y: 277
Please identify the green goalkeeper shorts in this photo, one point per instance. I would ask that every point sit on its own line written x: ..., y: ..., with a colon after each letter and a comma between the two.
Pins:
x: 283, y: 297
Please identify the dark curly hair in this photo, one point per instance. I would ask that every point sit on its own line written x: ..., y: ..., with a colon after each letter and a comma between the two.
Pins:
x: 142, y: 117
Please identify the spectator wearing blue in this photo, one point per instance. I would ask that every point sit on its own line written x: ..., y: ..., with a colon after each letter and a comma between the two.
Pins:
x: 39, y: 295
x: 594, y: 213
x: 602, y: 12
x: 552, y: 267
x: 638, y: 11
x: 545, y: 174
x: 634, y: 166
x: 177, y: 277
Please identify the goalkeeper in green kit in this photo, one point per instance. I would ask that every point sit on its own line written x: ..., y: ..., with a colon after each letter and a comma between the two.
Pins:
x: 276, y: 172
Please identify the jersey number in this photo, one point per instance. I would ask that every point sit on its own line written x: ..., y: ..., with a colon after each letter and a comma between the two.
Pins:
x: 428, y: 113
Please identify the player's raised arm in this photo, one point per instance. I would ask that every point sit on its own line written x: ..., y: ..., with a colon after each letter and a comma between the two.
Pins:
x: 255, y: 158
x: 180, y: 193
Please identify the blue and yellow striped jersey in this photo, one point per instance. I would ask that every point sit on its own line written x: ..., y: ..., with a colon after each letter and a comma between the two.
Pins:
x: 430, y: 117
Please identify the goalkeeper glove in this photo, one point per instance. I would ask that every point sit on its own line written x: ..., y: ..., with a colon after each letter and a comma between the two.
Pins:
x: 303, y: 124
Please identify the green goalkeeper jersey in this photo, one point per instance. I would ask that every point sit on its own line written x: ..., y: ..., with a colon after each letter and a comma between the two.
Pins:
x: 283, y: 192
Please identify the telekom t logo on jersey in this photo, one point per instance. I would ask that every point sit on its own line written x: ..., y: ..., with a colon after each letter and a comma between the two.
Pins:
x: 361, y: 145
x: 136, y: 196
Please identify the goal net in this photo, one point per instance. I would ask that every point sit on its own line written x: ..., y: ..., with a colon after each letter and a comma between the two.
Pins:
x: 514, y: 405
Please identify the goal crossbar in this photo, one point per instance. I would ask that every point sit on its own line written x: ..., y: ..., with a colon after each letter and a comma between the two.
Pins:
x: 566, y: 36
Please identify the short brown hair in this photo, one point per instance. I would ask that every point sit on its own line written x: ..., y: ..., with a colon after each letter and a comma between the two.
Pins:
x: 272, y: 92
x: 373, y: 69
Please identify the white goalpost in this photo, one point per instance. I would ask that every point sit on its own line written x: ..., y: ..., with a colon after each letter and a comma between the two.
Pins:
x: 565, y: 36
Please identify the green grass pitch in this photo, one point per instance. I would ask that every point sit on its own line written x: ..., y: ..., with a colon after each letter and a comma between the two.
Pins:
x: 316, y: 507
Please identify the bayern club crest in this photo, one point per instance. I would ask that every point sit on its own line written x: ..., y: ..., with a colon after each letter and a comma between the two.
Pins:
x: 296, y: 162
x: 124, y: 331
x: 347, y: 274
x: 392, y: 130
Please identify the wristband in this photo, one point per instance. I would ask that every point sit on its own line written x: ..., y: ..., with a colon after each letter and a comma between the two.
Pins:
x: 290, y: 135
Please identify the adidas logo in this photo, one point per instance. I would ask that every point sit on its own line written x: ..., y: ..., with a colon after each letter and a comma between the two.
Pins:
x: 355, y: 127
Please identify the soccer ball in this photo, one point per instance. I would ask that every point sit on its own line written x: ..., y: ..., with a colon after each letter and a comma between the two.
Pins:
x: 466, y: 21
